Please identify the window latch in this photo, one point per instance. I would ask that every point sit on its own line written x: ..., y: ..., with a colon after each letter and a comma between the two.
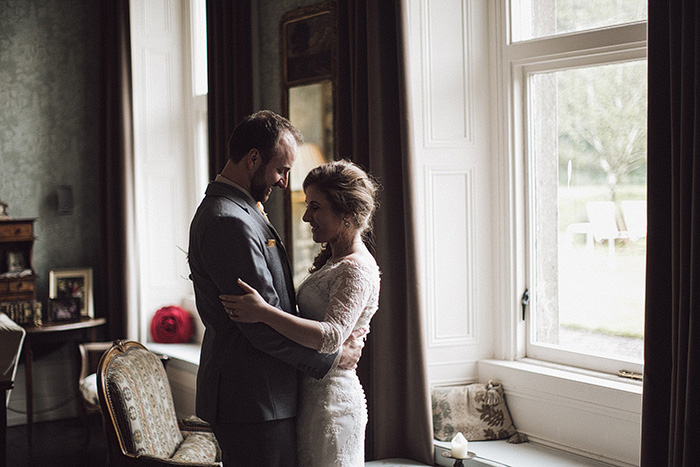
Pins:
x: 524, y: 300
x: 630, y: 375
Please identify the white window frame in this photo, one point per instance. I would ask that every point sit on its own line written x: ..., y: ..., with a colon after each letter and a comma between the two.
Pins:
x: 516, y: 61
x: 169, y: 175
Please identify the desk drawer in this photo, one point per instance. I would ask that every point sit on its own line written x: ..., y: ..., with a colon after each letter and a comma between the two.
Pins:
x: 16, y: 230
x: 22, y: 286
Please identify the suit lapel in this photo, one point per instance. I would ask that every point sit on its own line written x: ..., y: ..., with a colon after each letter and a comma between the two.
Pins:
x: 243, y: 200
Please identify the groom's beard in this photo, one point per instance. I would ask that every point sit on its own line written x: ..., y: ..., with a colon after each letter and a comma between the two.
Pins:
x: 259, y: 189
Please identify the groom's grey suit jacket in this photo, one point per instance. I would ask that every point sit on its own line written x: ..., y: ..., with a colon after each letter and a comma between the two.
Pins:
x: 247, y: 372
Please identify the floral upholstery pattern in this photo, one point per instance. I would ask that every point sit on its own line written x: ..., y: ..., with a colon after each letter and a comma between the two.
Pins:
x: 477, y: 410
x: 139, y: 392
x: 197, y: 447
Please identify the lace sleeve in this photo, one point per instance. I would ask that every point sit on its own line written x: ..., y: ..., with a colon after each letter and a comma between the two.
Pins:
x: 349, y: 295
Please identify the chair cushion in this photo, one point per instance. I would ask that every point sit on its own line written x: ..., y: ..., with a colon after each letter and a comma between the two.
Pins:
x: 138, y: 386
x: 197, y: 447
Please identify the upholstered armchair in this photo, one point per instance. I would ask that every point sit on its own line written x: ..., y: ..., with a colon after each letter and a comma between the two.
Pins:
x: 140, y: 422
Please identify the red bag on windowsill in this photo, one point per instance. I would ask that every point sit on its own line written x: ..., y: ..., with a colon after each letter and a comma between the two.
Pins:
x: 170, y: 325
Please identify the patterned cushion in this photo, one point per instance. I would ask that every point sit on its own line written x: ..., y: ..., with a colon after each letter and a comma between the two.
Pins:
x: 478, y: 411
x: 197, y: 447
x: 139, y: 387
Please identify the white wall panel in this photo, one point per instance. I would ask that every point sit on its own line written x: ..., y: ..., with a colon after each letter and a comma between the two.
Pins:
x: 450, y: 257
x: 452, y: 171
x: 447, y: 81
x: 159, y: 16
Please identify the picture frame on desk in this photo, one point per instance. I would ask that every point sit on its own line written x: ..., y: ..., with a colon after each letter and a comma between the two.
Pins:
x: 15, y: 261
x: 64, y: 309
x: 73, y: 283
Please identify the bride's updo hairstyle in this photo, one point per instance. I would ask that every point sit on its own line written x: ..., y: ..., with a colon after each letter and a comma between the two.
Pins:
x: 351, y: 191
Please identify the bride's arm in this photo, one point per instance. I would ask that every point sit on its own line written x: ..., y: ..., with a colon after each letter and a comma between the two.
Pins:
x: 252, y: 308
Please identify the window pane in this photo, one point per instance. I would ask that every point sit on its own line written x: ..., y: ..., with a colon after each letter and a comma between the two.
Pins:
x: 588, y: 133
x: 533, y: 19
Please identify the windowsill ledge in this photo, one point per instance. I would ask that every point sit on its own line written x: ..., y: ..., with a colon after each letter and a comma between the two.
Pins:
x: 581, y: 412
x: 186, y: 352
x: 567, y: 374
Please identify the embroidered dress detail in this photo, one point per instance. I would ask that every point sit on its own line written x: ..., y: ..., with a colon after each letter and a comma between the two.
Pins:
x: 332, y: 416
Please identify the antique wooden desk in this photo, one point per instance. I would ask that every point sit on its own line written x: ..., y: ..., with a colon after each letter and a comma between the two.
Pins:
x: 80, y: 331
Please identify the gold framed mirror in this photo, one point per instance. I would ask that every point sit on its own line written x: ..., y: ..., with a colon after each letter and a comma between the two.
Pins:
x: 308, y: 55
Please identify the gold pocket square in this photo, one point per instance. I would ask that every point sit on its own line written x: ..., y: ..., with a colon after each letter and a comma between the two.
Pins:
x: 271, y: 242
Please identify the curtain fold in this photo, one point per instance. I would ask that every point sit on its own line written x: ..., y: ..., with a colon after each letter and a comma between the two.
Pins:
x: 116, y: 147
x: 230, y: 64
x: 670, y: 407
x: 371, y: 130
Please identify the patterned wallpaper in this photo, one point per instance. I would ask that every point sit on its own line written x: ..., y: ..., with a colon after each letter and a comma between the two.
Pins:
x: 49, y: 101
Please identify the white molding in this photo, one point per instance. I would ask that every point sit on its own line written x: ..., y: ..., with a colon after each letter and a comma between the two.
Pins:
x: 451, y: 266
x: 461, y: 69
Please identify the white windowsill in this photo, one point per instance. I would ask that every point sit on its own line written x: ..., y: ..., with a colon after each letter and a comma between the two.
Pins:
x: 187, y: 352
x: 571, y: 374
x: 582, y: 412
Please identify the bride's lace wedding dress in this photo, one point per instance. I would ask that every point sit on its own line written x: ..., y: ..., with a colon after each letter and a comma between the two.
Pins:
x: 332, y: 415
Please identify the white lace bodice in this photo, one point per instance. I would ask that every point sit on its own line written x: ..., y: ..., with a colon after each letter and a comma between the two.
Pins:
x: 343, y: 296
x: 332, y: 416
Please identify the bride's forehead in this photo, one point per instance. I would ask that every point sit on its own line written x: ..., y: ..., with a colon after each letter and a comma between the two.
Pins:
x: 313, y: 194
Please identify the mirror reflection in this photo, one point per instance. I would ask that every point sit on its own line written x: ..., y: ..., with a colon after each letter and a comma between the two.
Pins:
x: 311, y: 111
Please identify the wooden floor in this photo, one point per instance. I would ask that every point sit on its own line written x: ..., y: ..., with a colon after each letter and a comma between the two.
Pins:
x: 59, y: 443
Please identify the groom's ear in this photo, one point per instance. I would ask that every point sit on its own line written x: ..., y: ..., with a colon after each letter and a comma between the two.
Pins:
x: 253, y: 159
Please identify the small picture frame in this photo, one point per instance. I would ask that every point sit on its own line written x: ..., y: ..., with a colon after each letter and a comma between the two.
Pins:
x: 73, y: 284
x: 15, y: 261
x: 64, y: 309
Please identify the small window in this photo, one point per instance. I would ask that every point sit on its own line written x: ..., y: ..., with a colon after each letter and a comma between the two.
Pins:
x: 533, y: 19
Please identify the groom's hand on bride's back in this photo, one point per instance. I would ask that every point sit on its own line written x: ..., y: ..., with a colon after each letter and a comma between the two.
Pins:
x: 352, y: 349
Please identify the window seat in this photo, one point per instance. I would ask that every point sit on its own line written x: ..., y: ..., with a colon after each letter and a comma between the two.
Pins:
x: 499, y: 453
x: 525, y: 454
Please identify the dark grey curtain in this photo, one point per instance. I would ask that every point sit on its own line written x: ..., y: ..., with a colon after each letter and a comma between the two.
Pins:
x: 230, y: 60
x: 371, y: 130
x: 116, y: 150
x: 671, y: 406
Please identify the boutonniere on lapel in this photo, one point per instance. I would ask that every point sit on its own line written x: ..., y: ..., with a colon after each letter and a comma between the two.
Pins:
x: 271, y: 242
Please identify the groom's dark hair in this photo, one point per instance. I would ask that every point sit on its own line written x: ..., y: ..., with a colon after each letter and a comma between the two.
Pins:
x: 261, y: 130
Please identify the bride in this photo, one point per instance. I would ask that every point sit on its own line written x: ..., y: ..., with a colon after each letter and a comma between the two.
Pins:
x: 339, y: 296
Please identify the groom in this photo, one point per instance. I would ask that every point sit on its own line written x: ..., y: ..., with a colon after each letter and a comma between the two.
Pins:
x: 247, y: 379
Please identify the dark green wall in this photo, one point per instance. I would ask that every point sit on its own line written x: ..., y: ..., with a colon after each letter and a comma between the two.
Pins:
x: 49, y: 101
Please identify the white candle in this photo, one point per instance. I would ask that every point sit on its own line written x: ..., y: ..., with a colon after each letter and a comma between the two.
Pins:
x: 459, y: 447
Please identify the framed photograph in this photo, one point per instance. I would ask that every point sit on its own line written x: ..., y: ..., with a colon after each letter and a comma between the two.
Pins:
x: 15, y: 261
x: 73, y: 283
x: 64, y: 309
x: 308, y: 39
